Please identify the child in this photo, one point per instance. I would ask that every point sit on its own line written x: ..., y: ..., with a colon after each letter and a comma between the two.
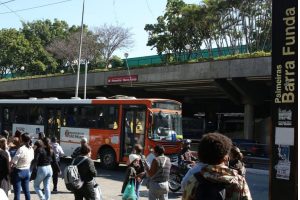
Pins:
x: 131, y: 173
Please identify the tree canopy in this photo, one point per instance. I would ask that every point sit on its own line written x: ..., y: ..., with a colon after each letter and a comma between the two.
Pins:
x: 46, y: 46
x: 187, y: 28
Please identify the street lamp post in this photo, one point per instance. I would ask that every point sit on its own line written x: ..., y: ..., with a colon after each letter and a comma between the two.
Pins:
x: 126, y: 56
x: 188, y: 47
x: 22, y: 68
x: 85, y: 78
x: 80, y: 47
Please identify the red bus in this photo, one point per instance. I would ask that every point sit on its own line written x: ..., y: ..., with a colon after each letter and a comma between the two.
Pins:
x: 112, y: 126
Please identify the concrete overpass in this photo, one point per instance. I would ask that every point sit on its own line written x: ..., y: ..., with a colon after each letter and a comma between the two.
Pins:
x: 219, y: 85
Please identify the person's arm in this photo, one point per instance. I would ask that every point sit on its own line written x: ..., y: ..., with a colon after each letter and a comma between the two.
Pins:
x: 54, y: 163
x: 17, y: 157
x: 153, y: 168
x: 60, y: 151
x: 245, y: 192
x: 142, y: 169
x: 186, y: 178
x: 92, y: 169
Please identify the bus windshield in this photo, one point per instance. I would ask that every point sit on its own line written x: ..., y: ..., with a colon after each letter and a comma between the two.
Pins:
x: 166, y: 126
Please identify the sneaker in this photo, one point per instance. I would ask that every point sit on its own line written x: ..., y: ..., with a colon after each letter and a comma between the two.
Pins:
x: 54, y: 191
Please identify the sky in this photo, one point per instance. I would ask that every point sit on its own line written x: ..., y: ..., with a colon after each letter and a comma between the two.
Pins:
x: 133, y: 14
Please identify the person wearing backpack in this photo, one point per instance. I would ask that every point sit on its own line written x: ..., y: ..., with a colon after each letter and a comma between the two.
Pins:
x: 87, y: 172
x: 216, y: 181
x: 58, y: 152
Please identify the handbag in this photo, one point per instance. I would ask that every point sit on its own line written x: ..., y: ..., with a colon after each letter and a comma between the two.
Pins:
x: 33, y: 173
x: 97, y: 190
x: 129, y: 192
x: 33, y: 170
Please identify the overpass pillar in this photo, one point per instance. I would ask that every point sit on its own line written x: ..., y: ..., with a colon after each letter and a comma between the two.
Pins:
x: 248, y: 121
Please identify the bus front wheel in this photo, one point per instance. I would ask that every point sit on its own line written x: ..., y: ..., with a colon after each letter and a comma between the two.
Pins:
x: 108, y: 158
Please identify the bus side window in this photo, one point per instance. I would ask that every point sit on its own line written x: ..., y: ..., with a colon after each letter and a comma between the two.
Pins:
x: 20, y: 114
x: 113, y: 117
x: 100, y: 118
x: 91, y: 116
x: 8, y: 116
x: 107, y: 117
x: 70, y: 116
x: 36, y: 115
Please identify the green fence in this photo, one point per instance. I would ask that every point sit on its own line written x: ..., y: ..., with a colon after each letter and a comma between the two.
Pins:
x: 157, y: 59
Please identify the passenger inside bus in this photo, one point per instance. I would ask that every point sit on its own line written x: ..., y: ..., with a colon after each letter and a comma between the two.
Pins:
x: 70, y: 121
x: 140, y: 129
x: 40, y: 120
x: 100, y: 120
x: 129, y: 137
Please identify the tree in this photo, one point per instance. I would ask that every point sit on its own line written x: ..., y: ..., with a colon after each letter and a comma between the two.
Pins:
x: 112, y: 38
x: 213, y: 23
x: 180, y: 27
x: 16, y: 51
x: 45, y: 31
x: 67, y: 49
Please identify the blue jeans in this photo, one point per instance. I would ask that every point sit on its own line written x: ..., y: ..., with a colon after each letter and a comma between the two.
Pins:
x: 44, y: 174
x: 137, y: 188
x: 21, y: 179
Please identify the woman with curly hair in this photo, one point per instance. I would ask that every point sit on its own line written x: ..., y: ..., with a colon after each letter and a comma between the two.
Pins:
x: 216, y: 180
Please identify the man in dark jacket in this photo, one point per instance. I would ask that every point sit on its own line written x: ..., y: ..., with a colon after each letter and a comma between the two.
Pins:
x: 76, y: 152
x: 87, y: 172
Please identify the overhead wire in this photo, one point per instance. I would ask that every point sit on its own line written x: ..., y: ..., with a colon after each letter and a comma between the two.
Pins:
x: 115, y: 13
x: 35, y: 7
x: 12, y: 11
x: 149, y: 9
x: 6, y: 2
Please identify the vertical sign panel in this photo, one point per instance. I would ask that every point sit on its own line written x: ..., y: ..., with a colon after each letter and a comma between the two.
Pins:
x: 284, y: 163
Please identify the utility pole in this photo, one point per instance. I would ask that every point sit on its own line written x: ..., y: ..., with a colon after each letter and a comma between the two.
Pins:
x: 80, y: 47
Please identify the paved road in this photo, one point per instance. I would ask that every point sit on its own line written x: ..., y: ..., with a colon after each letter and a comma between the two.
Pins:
x: 111, y: 184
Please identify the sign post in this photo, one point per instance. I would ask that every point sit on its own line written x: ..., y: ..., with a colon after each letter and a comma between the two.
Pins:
x: 284, y: 162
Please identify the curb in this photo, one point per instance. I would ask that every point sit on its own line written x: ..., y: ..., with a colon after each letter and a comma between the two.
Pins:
x: 257, y: 171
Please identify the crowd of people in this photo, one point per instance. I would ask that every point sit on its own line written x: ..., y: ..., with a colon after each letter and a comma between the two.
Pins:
x: 217, y: 173
x: 25, y: 161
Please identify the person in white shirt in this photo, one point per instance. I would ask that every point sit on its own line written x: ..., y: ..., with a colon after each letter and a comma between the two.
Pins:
x: 58, y: 151
x: 21, y: 167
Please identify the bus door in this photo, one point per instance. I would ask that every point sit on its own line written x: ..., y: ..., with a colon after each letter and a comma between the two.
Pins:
x: 133, y: 128
x: 54, y: 121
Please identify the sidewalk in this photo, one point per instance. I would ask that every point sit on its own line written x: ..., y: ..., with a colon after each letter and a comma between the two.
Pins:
x: 257, y: 171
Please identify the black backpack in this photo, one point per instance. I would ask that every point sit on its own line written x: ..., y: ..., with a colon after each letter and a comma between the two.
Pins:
x: 207, y: 190
x: 72, y: 177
